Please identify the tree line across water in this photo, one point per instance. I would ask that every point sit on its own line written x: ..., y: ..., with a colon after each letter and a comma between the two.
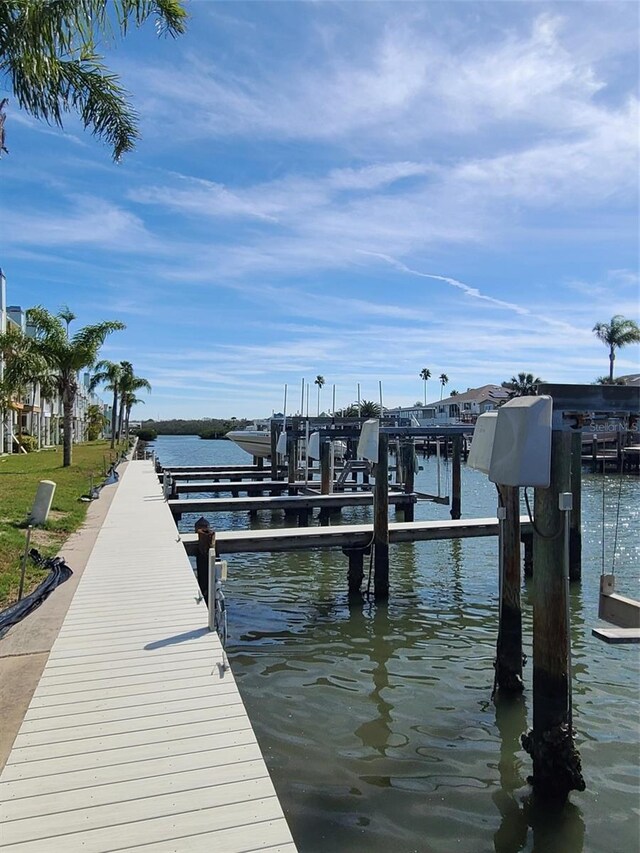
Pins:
x: 203, y: 427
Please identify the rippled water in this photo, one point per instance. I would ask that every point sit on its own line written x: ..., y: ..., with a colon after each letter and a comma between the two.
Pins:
x: 376, y: 721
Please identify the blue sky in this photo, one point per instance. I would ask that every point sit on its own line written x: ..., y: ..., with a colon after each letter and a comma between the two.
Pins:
x: 356, y: 190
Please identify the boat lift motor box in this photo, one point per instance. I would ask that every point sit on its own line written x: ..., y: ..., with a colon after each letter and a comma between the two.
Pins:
x: 368, y: 441
x: 313, y: 448
x: 521, y: 454
x: 482, y: 442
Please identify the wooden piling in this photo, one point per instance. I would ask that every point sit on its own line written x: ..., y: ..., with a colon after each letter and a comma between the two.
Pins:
x: 509, y: 646
x: 556, y: 761
x: 527, y: 547
x: 575, y: 537
x: 274, y: 453
x: 406, y: 461
x: 206, y: 541
x: 381, y: 521
x: 456, y: 477
x: 594, y: 454
x: 325, y: 468
x: 292, y: 454
x: 355, y: 573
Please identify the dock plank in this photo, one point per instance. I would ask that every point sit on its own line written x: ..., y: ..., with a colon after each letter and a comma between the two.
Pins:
x: 346, y: 535
x: 336, y: 500
x: 134, y: 714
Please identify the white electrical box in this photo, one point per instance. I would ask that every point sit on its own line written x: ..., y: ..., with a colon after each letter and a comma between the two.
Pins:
x: 521, y: 454
x: 281, y: 446
x: 482, y: 442
x: 313, y: 448
x: 42, y: 503
x: 368, y: 442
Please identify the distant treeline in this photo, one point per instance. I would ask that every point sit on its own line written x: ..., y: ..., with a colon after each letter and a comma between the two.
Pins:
x: 205, y: 428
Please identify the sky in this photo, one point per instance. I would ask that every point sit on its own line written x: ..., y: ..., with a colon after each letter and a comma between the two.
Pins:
x: 354, y: 190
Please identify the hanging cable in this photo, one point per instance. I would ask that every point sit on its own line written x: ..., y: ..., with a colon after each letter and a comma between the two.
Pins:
x: 615, y: 537
x: 603, y: 525
x: 533, y: 524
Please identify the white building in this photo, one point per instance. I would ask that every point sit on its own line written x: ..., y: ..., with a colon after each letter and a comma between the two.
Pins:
x: 460, y: 408
x: 29, y: 413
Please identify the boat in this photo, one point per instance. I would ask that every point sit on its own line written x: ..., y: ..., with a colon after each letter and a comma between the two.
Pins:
x: 256, y: 440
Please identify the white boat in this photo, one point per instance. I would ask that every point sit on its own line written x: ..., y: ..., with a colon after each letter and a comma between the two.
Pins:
x: 256, y: 440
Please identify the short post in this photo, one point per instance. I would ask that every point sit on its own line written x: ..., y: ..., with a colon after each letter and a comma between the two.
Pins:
x: 509, y: 646
x: 25, y: 556
x: 325, y: 468
x: 259, y: 462
x: 406, y: 462
x: 556, y: 761
x: 381, y: 520
x: 206, y: 541
x: 456, y: 477
x: 575, y: 540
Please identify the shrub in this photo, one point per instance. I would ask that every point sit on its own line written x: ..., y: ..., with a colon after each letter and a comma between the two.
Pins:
x: 29, y: 442
x: 146, y: 434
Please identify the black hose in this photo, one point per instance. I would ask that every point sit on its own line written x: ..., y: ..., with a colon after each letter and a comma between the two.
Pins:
x: 59, y: 572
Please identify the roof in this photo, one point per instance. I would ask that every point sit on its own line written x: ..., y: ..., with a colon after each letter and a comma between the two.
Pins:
x: 484, y: 394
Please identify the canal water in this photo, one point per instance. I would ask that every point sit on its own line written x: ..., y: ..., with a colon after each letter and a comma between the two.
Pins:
x: 376, y: 721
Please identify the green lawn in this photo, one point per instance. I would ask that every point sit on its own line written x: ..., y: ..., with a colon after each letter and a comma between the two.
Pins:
x: 19, y: 478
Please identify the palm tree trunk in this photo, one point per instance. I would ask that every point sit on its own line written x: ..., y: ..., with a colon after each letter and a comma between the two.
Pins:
x: 121, y: 418
x: 114, y: 417
x: 612, y: 358
x: 67, y: 417
x: 126, y: 423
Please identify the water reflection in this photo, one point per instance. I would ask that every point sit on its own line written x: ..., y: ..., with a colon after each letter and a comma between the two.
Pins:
x: 376, y: 733
x: 375, y: 721
x: 553, y: 830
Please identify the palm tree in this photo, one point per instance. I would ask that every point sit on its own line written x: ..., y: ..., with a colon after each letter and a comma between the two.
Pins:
x: 443, y: 381
x: 66, y: 356
x: 369, y: 409
x: 108, y: 373
x: 425, y: 374
x: 522, y: 385
x: 96, y: 422
x: 130, y: 400
x: 617, y: 334
x: 47, y: 50
x: 67, y: 315
x: 20, y: 367
x: 319, y: 381
x: 129, y: 384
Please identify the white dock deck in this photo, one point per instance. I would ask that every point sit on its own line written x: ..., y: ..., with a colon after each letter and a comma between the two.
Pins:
x: 135, y: 739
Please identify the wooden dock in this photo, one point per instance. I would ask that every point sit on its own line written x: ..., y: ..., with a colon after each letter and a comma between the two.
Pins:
x: 289, y: 503
x: 345, y: 535
x: 136, y: 738
x: 252, y: 487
